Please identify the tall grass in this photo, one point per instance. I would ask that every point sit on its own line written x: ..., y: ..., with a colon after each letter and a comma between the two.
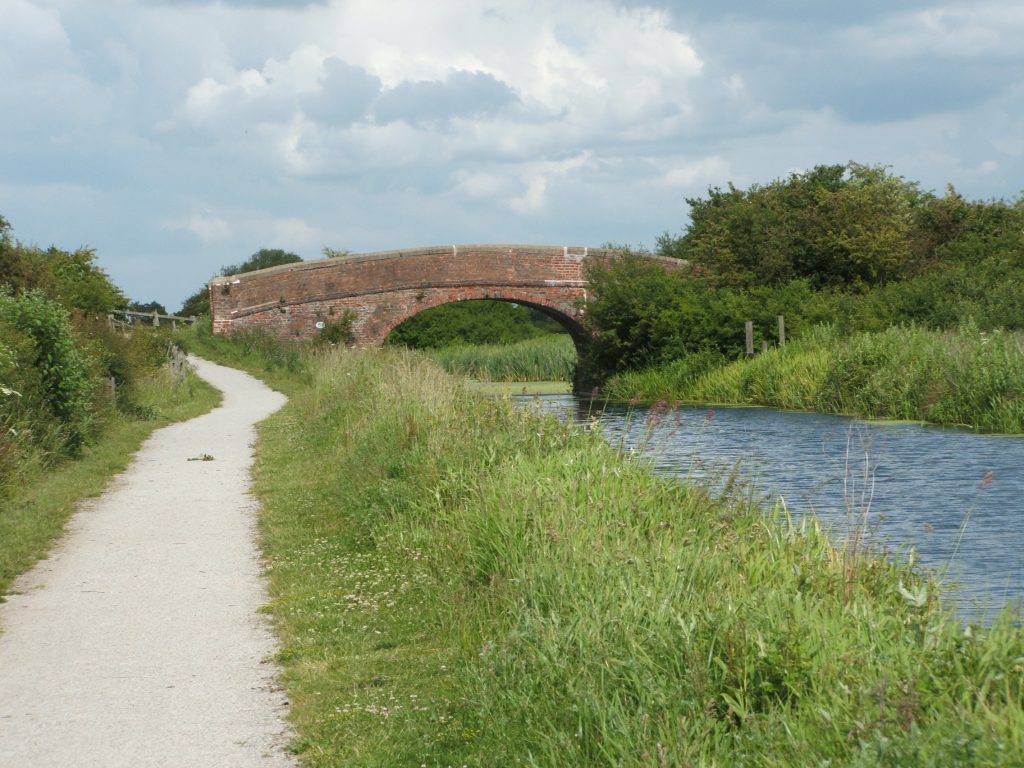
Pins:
x: 546, y: 358
x: 459, y: 583
x: 964, y: 377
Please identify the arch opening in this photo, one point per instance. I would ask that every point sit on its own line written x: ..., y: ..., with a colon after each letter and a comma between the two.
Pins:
x: 499, y: 339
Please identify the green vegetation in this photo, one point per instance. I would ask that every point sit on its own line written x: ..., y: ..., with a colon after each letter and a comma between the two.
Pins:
x: 963, y: 377
x: 473, y: 322
x: 547, y: 358
x: 852, y: 247
x: 76, y: 397
x: 471, y: 585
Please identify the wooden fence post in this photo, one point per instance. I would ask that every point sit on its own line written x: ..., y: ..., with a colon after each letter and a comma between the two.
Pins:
x: 156, y: 319
x: 749, y: 329
x: 782, y: 331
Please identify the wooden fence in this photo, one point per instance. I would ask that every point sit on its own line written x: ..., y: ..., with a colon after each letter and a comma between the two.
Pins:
x: 124, y: 319
x: 748, y: 329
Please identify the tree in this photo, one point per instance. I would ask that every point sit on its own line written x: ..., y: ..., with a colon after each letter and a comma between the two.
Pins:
x: 69, y: 277
x: 835, y: 225
x: 149, y: 307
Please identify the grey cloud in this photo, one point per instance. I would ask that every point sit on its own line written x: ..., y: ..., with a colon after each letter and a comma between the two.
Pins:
x: 461, y: 94
x: 879, y: 91
x: 346, y: 96
x: 296, y: 4
x: 786, y: 66
x: 801, y: 12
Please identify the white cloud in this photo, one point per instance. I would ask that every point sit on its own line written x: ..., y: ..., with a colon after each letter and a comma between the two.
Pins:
x: 295, y: 233
x: 713, y: 169
x: 536, y: 177
x: 580, y: 70
x: 207, y: 228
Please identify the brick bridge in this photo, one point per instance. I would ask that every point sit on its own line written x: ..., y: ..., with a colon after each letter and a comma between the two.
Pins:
x: 385, y: 289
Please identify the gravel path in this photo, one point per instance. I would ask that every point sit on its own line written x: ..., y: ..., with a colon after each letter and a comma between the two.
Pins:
x: 138, y: 642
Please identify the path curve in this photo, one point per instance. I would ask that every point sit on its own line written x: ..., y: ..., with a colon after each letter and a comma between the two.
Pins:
x: 138, y: 642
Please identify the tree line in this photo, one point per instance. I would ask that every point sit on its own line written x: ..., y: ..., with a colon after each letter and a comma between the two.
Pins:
x: 851, y: 245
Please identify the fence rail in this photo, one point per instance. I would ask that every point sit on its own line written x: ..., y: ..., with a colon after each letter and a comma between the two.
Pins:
x: 130, y: 318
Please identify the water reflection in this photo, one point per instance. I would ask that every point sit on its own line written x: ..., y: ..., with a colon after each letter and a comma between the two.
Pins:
x: 955, y: 497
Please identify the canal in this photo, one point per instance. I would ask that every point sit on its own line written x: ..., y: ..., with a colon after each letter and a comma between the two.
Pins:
x: 955, y: 497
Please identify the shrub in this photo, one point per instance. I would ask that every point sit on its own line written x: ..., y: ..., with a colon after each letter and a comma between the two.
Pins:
x: 63, y: 369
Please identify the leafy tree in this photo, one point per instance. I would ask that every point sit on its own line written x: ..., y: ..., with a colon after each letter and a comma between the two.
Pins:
x: 149, y: 307
x: 69, y: 277
x: 834, y: 225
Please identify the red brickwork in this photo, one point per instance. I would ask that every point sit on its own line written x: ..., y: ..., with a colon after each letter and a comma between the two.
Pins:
x: 384, y: 289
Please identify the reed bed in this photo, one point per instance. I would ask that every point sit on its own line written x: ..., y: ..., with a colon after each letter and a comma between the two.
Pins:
x: 546, y: 358
x: 964, y: 377
x: 458, y: 583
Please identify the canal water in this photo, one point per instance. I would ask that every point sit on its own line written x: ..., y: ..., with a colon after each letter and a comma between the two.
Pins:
x: 955, y: 497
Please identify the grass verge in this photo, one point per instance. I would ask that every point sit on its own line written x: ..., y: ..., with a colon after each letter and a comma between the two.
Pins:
x: 458, y: 583
x: 33, y: 518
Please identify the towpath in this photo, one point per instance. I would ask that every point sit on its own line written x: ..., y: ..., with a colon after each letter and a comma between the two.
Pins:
x: 139, y: 642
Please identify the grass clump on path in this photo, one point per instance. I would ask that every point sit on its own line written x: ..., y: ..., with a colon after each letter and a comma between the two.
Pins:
x: 965, y: 378
x: 459, y: 583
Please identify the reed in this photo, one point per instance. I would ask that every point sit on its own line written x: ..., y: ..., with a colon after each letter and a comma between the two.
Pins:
x: 546, y: 358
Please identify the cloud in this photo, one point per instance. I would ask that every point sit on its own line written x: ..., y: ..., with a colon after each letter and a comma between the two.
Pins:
x: 294, y: 124
x: 712, y: 169
x: 295, y: 232
x: 207, y: 228
x: 346, y: 93
x: 462, y: 94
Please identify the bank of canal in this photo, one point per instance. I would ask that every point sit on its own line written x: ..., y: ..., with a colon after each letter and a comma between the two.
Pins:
x: 919, y: 485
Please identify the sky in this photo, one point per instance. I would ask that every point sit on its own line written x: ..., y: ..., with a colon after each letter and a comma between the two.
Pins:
x: 175, y: 137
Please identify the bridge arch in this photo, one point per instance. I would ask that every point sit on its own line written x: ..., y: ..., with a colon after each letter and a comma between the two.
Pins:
x: 572, y: 324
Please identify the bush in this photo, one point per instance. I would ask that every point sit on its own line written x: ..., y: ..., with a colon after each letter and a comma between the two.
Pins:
x: 63, y: 369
